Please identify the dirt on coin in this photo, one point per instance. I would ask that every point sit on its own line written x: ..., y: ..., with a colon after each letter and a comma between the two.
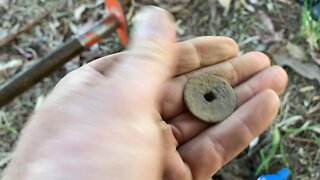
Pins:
x: 209, y: 97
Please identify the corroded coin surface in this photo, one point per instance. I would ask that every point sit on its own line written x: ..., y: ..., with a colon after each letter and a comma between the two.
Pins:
x: 209, y: 97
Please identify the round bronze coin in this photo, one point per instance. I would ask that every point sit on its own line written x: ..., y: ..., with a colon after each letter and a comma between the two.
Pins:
x: 209, y: 97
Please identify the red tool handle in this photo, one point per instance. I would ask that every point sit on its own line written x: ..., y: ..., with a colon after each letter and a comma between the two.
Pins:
x: 114, y: 8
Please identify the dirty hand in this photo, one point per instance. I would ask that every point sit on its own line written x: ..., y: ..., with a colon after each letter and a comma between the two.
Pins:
x: 106, y: 119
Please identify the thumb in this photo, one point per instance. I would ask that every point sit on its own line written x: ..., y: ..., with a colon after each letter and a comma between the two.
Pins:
x: 150, y: 59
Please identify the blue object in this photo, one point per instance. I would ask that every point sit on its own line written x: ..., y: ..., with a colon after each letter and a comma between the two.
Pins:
x: 315, y: 7
x: 315, y: 11
x: 283, y: 174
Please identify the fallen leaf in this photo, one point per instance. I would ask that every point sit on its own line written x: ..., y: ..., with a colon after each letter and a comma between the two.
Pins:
x: 3, y: 33
x: 315, y: 57
x: 308, y: 70
x: 316, y: 129
x: 249, y: 7
x: 296, y: 51
x: 179, y: 28
x: 4, y: 4
x: 79, y: 11
x: 25, y: 53
x: 72, y: 65
x: 266, y: 21
x: 5, y: 160
x: 215, y: 17
x: 53, y: 25
x: 82, y: 28
x: 270, y: 38
x: 246, y: 6
x: 73, y: 27
x: 39, y: 101
x: 225, y: 4
x: 254, y: 1
x: 15, y: 28
x: 172, y: 5
x: 306, y: 89
x: 253, y: 143
x: 268, y: 33
x: 12, y: 64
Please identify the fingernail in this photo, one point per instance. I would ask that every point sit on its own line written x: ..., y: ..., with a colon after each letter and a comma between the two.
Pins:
x: 152, y: 21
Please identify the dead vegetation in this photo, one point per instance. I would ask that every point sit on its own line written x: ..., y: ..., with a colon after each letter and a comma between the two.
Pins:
x: 272, y: 26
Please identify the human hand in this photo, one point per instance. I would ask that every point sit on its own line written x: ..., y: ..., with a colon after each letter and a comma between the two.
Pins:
x: 104, y: 120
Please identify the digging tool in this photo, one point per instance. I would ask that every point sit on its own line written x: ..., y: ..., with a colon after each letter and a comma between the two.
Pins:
x: 114, y: 21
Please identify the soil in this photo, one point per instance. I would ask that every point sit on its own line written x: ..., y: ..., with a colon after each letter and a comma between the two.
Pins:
x: 266, y: 26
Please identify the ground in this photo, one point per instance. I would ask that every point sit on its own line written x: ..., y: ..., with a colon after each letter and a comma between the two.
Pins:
x: 274, y: 27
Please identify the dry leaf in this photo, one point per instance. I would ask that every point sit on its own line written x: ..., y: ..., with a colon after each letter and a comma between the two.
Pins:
x: 79, y: 11
x: 254, y: 1
x: 266, y: 21
x: 249, y: 7
x: 72, y: 65
x: 296, y: 51
x: 270, y: 35
x: 3, y: 33
x: 24, y: 52
x: 5, y: 160
x: 246, y: 5
x: 73, y: 27
x: 39, y: 101
x: 4, y: 4
x: 315, y: 57
x: 308, y: 70
x: 179, y: 29
x: 172, y: 5
x: 12, y: 64
x: 225, y: 4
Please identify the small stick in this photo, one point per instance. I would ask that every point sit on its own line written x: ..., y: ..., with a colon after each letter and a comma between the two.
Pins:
x: 13, y: 64
x: 25, y: 28
x: 300, y: 139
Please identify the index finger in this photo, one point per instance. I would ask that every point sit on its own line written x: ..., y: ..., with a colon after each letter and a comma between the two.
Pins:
x: 204, y: 51
x: 192, y: 54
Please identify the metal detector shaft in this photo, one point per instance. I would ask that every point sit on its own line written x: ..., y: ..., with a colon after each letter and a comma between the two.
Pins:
x: 45, y: 66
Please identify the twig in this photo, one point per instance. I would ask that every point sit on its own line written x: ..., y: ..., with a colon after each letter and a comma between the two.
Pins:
x: 13, y: 64
x: 24, y: 28
x: 300, y: 139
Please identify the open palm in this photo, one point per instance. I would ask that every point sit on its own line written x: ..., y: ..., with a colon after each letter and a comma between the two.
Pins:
x: 110, y: 112
x: 195, y: 148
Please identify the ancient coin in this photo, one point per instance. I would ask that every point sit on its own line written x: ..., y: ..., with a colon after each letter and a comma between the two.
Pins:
x: 209, y: 97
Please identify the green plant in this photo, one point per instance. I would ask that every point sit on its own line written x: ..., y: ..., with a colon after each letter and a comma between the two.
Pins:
x: 276, y: 148
x: 301, y: 129
x: 5, y: 125
x: 310, y: 29
x: 267, y: 157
